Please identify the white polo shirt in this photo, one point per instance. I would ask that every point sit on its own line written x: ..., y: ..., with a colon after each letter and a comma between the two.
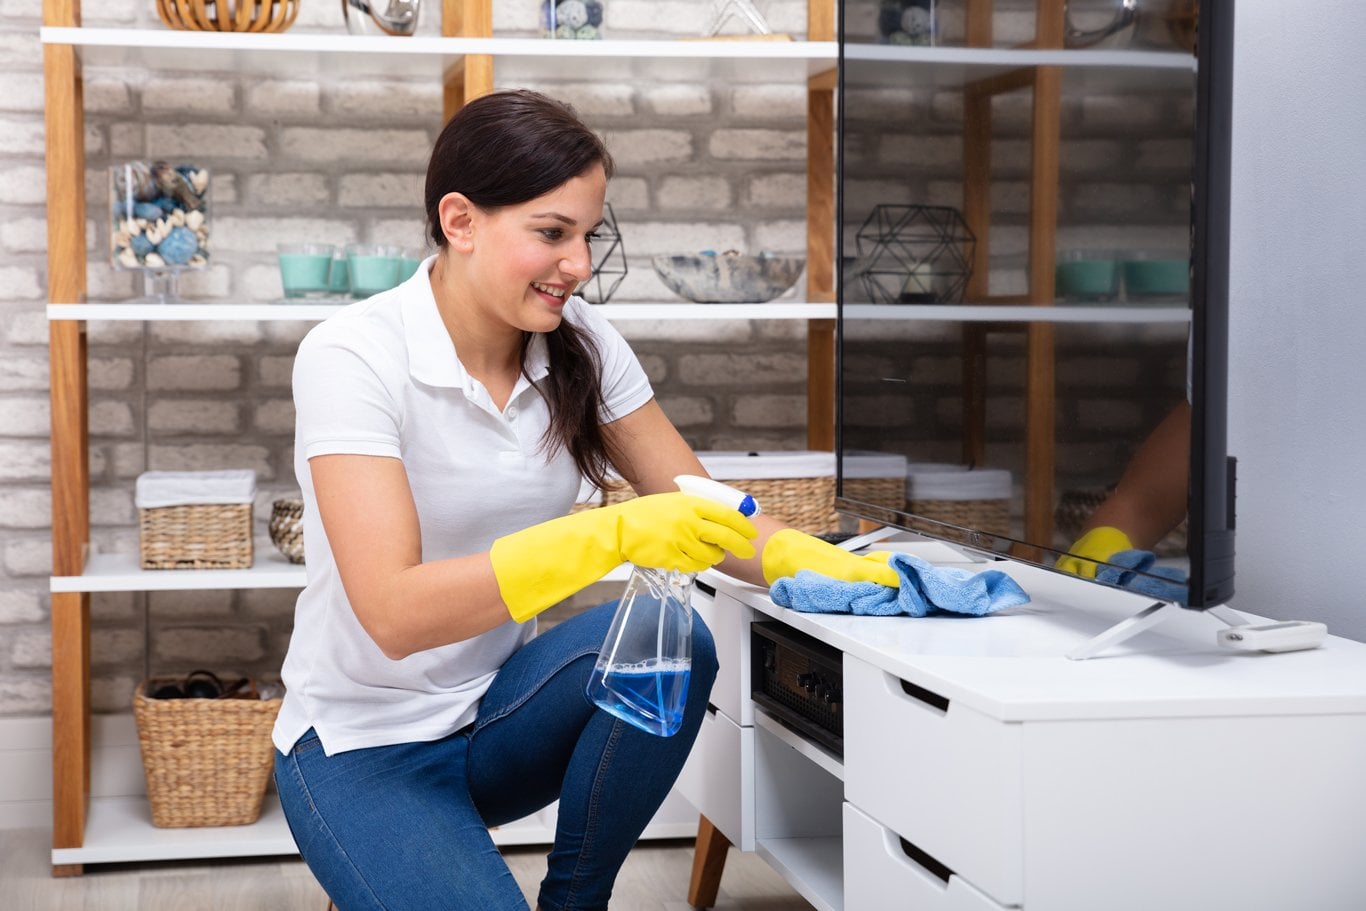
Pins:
x: 382, y: 378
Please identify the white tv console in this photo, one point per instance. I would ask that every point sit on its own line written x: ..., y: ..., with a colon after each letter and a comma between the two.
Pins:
x: 1167, y: 773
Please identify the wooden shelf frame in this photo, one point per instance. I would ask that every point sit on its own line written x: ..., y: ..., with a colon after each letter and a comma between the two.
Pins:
x: 467, y: 76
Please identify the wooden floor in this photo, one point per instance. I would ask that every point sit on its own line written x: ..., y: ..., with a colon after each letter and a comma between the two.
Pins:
x: 655, y: 878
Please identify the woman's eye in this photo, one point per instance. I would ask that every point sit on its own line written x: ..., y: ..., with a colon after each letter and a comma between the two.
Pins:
x: 592, y: 236
x: 552, y: 233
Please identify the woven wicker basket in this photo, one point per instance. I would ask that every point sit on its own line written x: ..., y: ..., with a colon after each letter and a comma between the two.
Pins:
x: 287, y: 528
x: 228, y: 15
x: 887, y: 492
x: 200, y: 536
x: 990, y: 516
x: 207, y: 761
x: 807, y: 504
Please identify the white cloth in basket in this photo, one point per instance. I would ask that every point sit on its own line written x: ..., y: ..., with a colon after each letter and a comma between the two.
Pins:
x: 192, y: 488
x: 956, y: 482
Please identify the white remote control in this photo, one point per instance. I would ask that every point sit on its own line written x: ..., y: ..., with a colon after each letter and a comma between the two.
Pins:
x: 1286, y: 636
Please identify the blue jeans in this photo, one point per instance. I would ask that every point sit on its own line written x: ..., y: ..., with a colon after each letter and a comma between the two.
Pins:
x: 406, y: 826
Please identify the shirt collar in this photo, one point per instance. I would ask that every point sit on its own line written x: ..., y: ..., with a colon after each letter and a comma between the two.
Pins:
x: 431, y: 355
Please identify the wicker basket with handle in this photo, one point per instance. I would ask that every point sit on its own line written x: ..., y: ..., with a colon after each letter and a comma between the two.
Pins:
x: 206, y: 761
x: 228, y: 15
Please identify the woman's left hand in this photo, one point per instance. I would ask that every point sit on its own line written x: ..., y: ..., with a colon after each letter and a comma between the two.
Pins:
x: 789, y: 550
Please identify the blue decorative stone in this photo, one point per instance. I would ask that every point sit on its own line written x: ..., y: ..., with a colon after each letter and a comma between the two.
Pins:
x: 141, y: 245
x: 572, y: 13
x: 148, y: 211
x: 166, y: 204
x: 594, y: 13
x: 178, y: 246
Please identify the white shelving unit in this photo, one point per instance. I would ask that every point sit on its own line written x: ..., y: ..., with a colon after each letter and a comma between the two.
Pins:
x: 118, y: 828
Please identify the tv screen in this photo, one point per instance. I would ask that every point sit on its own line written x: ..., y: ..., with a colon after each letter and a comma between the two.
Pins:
x: 1033, y: 287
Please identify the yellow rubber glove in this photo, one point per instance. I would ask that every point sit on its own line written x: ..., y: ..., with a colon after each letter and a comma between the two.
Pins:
x: 546, y: 563
x: 1101, y: 544
x: 790, y: 550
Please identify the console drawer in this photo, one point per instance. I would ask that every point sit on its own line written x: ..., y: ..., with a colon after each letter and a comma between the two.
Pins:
x: 882, y: 874
x: 941, y: 775
x: 728, y: 621
x: 718, y: 778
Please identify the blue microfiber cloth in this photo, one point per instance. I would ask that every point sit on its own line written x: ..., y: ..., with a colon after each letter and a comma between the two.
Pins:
x: 925, y: 589
x: 1134, y: 570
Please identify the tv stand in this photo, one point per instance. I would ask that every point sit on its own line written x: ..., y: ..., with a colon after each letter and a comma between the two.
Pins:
x: 1147, y: 618
x: 981, y: 769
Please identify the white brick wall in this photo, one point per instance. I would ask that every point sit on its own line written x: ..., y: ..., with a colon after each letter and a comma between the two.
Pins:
x: 700, y: 166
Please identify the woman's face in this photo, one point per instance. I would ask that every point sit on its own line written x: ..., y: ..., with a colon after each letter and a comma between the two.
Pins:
x: 528, y: 258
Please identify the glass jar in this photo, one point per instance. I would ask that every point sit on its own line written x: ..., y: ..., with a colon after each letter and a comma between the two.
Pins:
x: 577, y: 19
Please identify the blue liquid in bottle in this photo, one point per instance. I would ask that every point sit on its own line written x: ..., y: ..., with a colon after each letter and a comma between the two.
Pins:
x: 650, y: 696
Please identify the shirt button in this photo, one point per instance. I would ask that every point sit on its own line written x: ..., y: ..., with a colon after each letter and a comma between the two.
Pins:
x: 512, y: 413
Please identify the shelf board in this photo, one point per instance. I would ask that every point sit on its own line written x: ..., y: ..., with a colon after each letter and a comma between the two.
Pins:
x: 119, y: 572
x: 812, y: 866
x: 428, y: 57
x: 1018, y: 313
x: 214, y: 312
x: 1093, y: 70
x: 120, y: 830
x: 812, y: 751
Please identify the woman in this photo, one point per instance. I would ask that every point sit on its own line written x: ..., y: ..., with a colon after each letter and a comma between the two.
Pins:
x: 442, y: 427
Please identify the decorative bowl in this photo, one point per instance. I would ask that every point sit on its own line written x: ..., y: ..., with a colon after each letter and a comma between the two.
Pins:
x: 243, y: 16
x: 730, y: 277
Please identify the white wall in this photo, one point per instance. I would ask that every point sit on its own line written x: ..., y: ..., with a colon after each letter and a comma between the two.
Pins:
x: 1298, y: 374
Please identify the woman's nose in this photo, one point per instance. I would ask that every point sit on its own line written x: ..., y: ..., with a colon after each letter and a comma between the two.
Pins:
x: 579, y: 264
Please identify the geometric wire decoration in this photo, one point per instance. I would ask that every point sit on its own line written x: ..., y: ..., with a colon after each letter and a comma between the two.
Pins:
x: 609, y: 261
x: 914, y: 255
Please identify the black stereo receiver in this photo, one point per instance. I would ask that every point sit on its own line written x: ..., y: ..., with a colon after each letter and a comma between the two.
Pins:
x: 798, y: 680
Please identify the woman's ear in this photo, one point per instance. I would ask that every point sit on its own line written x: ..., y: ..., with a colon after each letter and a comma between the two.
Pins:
x: 456, y: 214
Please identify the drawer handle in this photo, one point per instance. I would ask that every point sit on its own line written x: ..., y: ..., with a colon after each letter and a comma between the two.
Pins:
x: 920, y: 694
x: 711, y: 708
x: 925, y: 861
x: 704, y: 588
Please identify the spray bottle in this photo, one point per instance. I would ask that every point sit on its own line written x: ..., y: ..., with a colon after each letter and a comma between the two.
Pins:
x: 641, y: 675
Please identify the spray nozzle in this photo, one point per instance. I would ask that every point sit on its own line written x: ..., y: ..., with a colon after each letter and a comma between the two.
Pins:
x: 718, y: 492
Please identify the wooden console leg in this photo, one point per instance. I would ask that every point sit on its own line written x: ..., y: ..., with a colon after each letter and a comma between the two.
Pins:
x: 708, y: 861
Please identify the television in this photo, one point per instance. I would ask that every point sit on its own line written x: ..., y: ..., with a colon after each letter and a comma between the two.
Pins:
x: 1033, y: 277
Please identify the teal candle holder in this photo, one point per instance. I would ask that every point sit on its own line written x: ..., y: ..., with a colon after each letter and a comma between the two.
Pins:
x: 306, y: 269
x: 408, y: 262
x: 1087, y: 277
x: 373, y: 268
x: 339, y: 281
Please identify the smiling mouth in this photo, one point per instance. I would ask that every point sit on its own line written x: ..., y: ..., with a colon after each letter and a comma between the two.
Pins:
x: 553, y: 291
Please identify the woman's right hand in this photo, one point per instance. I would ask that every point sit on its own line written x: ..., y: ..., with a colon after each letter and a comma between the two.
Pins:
x: 679, y: 531
x: 546, y: 563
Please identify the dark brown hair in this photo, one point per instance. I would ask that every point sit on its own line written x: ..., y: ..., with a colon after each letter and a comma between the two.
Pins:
x: 505, y: 149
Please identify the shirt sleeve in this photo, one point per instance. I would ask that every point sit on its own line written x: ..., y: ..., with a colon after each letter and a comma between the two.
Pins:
x: 341, y: 403
x: 625, y: 387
